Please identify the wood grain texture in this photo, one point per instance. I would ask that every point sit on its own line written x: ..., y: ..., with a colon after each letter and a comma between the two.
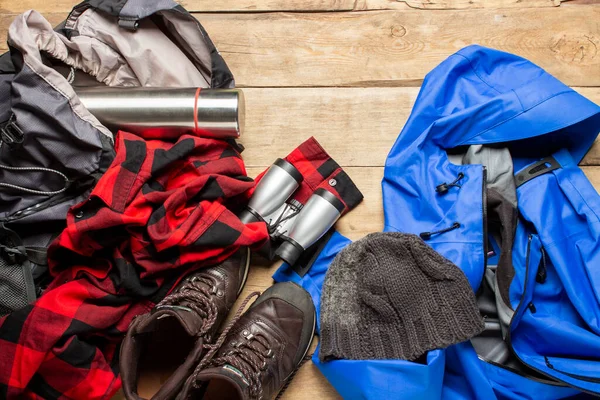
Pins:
x: 357, y: 126
x: 396, y: 48
x: 451, y: 4
x: 19, y: 6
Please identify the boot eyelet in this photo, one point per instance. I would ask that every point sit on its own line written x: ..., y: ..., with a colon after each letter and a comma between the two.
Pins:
x: 220, y: 293
x: 269, y: 353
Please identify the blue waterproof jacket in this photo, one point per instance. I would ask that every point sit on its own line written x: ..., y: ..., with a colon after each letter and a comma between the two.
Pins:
x: 485, y: 170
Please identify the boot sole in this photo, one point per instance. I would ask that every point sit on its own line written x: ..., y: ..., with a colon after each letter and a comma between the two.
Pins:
x: 246, y: 270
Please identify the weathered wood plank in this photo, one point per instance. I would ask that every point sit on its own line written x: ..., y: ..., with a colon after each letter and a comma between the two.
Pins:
x: 19, y: 6
x: 65, y: 6
x: 398, y: 48
x: 357, y: 126
x: 451, y: 4
x: 395, y: 48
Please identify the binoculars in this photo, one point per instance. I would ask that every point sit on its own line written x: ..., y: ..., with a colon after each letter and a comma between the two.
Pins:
x: 292, y: 226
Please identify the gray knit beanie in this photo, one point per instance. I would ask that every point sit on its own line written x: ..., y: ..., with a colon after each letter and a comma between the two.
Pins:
x: 391, y: 296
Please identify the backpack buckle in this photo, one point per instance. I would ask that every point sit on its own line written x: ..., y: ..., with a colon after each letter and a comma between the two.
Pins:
x: 10, y: 133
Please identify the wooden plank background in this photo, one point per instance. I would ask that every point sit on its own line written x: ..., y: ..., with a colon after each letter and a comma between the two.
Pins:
x: 348, y: 73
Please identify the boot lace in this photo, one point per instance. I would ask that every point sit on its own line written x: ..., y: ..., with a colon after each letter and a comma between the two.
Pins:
x: 249, y: 357
x: 196, y: 294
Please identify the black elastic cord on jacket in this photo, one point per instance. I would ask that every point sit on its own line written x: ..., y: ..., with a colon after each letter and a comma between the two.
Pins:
x: 444, y: 187
x: 427, y: 235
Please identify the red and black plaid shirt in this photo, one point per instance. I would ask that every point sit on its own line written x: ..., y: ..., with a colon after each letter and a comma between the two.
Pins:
x: 161, y: 210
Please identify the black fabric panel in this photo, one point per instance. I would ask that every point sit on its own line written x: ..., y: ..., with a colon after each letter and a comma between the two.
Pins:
x: 221, y: 75
x: 229, y: 152
x: 328, y: 168
x: 6, y: 64
x: 78, y: 354
x: 218, y: 235
x: 152, y: 186
x: 40, y: 387
x: 108, y: 237
x: 16, y: 58
x: 135, y: 153
x: 112, y: 7
x: 112, y: 300
x: 502, y: 217
x: 11, y: 328
x: 163, y: 158
x: 127, y: 278
x: 211, y: 191
x: 78, y: 327
x: 348, y: 190
x: 157, y: 215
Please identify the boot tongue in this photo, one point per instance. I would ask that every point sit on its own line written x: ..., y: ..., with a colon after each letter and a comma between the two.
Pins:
x: 188, y: 318
x: 230, y: 374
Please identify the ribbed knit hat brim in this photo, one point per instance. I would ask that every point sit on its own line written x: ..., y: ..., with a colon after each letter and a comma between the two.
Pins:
x: 391, y: 296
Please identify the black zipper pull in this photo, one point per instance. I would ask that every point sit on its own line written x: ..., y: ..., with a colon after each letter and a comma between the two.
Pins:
x: 427, y: 235
x: 444, y: 187
x: 532, y: 308
x: 542, y: 273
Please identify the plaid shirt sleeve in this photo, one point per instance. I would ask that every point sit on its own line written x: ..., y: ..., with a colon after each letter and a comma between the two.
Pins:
x: 319, y: 170
x: 161, y: 210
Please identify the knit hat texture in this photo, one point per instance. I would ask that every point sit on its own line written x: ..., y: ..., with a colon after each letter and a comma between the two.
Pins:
x: 391, y: 296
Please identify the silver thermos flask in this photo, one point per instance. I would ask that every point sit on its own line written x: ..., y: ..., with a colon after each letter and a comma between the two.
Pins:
x: 159, y: 112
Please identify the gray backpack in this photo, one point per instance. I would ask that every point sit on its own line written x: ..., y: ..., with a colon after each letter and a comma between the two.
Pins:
x: 52, y: 150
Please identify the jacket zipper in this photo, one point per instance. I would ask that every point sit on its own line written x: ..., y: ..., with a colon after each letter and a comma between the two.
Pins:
x: 576, y: 376
x: 508, y: 341
x: 485, y: 221
x: 508, y: 337
x: 553, y: 380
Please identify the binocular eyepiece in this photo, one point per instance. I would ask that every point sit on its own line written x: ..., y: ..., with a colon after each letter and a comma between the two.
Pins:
x: 293, y: 227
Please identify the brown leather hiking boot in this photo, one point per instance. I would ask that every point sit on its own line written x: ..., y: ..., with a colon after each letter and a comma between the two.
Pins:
x: 179, y: 329
x: 259, y: 352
